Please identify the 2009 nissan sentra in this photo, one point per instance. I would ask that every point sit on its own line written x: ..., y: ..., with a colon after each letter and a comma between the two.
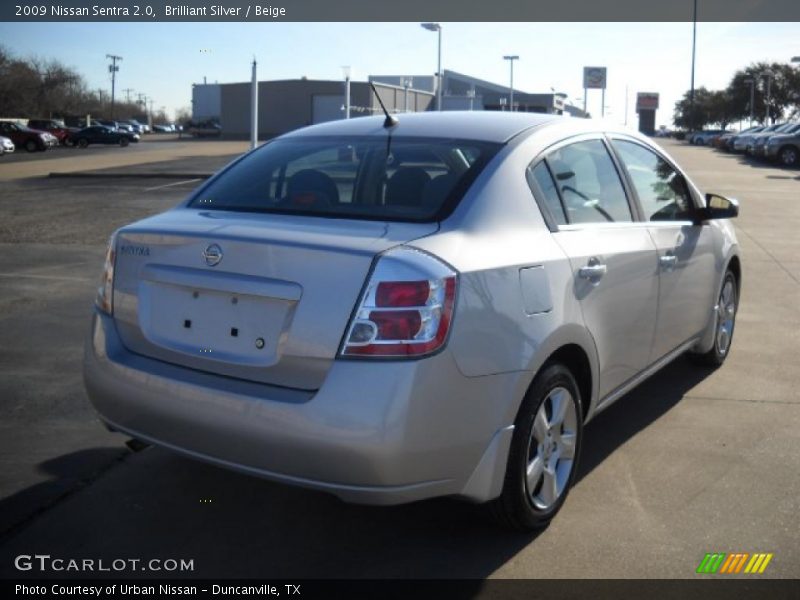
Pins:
x: 391, y: 312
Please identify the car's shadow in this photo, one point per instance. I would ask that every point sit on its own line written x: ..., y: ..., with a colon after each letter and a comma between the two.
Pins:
x: 157, y: 504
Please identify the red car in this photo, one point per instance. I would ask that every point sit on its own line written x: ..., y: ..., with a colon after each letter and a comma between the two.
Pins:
x: 25, y: 137
x: 57, y: 128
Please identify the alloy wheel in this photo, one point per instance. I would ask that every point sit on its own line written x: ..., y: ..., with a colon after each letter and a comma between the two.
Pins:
x: 551, y: 449
x: 789, y: 156
x: 726, y: 314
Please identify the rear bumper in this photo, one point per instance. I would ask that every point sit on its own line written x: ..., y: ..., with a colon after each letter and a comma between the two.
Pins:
x: 383, y: 432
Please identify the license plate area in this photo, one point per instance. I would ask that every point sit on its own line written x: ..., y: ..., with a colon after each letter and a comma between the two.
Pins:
x: 214, y: 325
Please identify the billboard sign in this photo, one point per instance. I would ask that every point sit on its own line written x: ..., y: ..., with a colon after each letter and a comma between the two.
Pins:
x: 594, y: 78
x: 646, y: 101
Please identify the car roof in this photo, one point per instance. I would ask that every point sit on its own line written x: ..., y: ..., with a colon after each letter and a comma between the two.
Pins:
x: 488, y: 126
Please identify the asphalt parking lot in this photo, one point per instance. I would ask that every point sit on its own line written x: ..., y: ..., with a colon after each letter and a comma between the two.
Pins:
x: 692, y: 461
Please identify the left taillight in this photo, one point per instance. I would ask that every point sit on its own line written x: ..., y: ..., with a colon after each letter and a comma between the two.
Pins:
x: 105, y: 292
x: 406, y: 309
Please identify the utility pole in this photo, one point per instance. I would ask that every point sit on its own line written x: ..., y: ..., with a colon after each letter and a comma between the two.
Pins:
x: 128, y: 94
x: 113, y: 68
x: 150, y: 115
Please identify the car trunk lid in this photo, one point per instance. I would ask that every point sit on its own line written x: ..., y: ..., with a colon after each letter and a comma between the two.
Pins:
x: 253, y: 296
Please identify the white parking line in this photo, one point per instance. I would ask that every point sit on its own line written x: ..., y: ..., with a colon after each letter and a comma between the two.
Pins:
x: 166, y: 185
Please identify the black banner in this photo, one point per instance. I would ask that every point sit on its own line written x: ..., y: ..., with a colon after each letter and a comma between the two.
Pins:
x: 404, y: 10
x: 737, y: 588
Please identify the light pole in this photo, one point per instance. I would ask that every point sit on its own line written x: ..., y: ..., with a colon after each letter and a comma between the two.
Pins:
x: 346, y: 72
x: 752, y: 83
x: 437, y: 28
x: 511, y: 58
x: 113, y: 68
x: 407, y: 83
x: 694, y: 44
x: 768, y: 75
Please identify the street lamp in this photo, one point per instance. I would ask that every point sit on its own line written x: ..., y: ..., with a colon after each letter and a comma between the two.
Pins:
x: 768, y: 75
x: 437, y: 28
x: 752, y: 83
x: 346, y: 71
x: 511, y: 59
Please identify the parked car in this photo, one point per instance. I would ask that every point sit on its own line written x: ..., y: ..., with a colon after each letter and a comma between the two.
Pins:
x: 53, y: 126
x: 163, y: 128
x: 6, y: 146
x: 25, y: 137
x: 144, y: 127
x: 784, y: 148
x: 205, y: 129
x: 742, y: 142
x: 390, y: 312
x: 702, y: 138
x: 760, y: 141
x: 755, y: 138
x: 725, y: 141
x: 133, y: 127
x: 100, y: 134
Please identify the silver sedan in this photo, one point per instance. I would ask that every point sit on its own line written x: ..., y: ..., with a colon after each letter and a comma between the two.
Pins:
x: 396, y: 311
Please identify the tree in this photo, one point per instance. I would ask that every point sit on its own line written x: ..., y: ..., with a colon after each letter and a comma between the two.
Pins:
x: 685, y: 118
x: 784, y: 88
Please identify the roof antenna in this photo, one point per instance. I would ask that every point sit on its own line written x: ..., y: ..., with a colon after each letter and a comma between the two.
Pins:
x: 390, y: 121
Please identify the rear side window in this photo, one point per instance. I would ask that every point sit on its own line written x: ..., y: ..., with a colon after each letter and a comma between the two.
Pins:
x: 663, y: 193
x: 589, y: 184
x: 541, y: 182
x: 383, y: 178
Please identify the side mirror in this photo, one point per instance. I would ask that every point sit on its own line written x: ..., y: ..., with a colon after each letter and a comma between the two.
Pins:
x: 719, y: 207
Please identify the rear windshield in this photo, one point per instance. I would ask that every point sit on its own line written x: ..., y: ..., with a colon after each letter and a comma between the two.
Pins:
x: 385, y: 178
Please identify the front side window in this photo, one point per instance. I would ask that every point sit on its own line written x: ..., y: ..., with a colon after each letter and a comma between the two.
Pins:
x: 372, y: 177
x: 589, y: 184
x: 663, y: 193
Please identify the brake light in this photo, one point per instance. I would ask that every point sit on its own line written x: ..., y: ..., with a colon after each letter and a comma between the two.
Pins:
x: 406, y: 309
x: 105, y: 293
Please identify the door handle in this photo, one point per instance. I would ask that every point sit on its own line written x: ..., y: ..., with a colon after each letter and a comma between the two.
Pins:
x: 668, y: 261
x: 593, y: 270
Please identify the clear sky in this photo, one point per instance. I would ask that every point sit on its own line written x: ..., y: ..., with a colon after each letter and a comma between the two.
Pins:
x: 162, y: 60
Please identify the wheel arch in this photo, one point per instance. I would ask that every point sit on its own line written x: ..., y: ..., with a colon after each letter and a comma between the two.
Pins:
x: 575, y: 349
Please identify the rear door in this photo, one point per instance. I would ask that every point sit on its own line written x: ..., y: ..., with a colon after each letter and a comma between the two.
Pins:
x: 613, y: 257
x: 685, y: 249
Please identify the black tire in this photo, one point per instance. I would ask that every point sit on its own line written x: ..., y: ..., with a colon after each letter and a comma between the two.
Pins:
x: 717, y: 355
x: 515, y: 508
x: 31, y: 146
x: 789, y: 156
x: 83, y: 143
x: 123, y: 142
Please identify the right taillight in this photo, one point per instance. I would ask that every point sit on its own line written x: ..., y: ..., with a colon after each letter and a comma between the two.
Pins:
x: 105, y: 292
x: 406, y: 309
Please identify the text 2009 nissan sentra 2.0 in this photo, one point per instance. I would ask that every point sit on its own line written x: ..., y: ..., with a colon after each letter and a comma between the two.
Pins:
x: 395, y: 311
